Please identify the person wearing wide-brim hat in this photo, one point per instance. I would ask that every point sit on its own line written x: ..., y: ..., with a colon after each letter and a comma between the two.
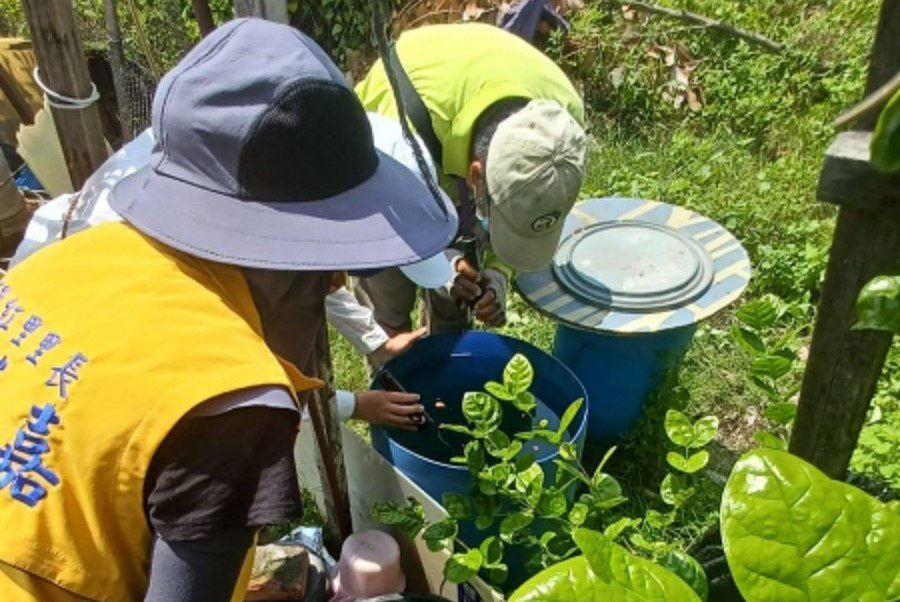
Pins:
x: 151, y: 369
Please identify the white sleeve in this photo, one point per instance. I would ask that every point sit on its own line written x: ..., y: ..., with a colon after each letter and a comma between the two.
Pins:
x: 354, y: 321
x: 346, y: 404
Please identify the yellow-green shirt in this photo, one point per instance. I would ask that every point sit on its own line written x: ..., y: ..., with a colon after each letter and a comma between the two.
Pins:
x: 461, y: 70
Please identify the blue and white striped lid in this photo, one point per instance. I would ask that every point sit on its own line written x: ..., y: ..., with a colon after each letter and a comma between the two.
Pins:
x: 636, y: 266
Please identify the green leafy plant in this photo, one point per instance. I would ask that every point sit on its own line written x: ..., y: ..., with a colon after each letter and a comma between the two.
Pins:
x: 510, y: 490
x: 772, y: 363
x: 691, y: 438
x: 791, y: 533
x: 878, y: 306
x: 605, y: 571
x: 536, y: 512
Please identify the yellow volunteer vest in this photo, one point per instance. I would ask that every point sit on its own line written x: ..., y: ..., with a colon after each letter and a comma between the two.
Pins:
x: 107, y: 339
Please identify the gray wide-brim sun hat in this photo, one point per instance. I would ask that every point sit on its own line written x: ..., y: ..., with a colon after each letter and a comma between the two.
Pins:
x: 265, y: 159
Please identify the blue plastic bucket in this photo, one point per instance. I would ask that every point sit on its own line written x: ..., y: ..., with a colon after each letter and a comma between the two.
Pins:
x: 620, y: 373
x: 443, y: 367
x: 628, y: 284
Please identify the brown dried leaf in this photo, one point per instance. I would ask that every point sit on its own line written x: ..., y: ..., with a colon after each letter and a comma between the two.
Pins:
x: 669, y: 55
x: 628, y: 13
x: 682, y: 53
x: 681, y: 76
x: 693, y: 99
x: 616, y: 77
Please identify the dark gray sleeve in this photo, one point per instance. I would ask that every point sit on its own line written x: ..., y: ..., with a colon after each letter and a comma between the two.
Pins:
x: 202, y: 570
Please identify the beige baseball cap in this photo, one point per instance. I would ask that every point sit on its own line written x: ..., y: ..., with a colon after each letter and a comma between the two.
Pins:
x: 535, y: 165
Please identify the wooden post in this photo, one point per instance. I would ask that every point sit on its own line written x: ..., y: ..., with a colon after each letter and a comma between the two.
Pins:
x: 60, y: 57
x: 273, y: 10
x: 844, y: 365
x: 13, y: 214
x: 117, y: 64
x: 322, y: 409
x: 330, y: 457
x: 204, y: 16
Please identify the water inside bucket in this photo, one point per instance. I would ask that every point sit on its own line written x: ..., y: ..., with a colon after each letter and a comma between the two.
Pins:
x: 442, y: 394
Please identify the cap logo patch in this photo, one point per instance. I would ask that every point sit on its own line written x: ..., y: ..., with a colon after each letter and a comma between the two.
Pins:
x: 545, y: 222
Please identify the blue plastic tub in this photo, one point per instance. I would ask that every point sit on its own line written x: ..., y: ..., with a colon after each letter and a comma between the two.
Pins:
x: 620, y: 373
x: 443, y: 367
x: 628, y: 285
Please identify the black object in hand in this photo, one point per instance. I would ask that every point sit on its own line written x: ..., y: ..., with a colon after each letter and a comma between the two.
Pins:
x: 389, y: 382
x: 469, y: 247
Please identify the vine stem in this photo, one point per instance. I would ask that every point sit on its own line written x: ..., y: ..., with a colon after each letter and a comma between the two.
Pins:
x: 708, y: 23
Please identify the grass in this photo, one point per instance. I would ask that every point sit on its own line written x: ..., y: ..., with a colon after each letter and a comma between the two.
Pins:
x: 750, y: 159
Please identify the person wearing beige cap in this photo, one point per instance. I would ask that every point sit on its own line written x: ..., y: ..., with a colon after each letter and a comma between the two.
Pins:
x: 504, y: 125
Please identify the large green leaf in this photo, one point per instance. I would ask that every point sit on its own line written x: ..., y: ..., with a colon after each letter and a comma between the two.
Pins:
x: 530, y: 483
x: 679, y: 428
x: 791, y: 534
x: 498, y: 390
x: 439, y: 536
x: 689, y: 465
x: 766, y: 439
x: 568, y: 416
x: 674, y: 491
x: 690, y: 571
x: 567, y: 581
x: 878, y: 306
x: 525, y: 401
x: 886, y: 137
x: 457, y: 506
x: 705, y: 430
x: 749, y: 340
x: 518, y: 374
x: 514, y: 528
x: 771, y: 366
x: 552, y: 504
x: 482, y: 410
x: 491, y: 550
x: 462, y: 567
x: 474, y: 456
x: 781, y: 413
x: 409, y: 518
x: 682, y: 432
x: 606, y: 572
x: 758, y: 314
x: 486, y: 508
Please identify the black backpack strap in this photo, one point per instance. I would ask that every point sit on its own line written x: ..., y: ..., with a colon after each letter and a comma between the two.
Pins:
x: 415, y: 109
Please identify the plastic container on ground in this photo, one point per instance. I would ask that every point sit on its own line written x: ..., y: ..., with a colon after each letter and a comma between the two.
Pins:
x: 628, y: 285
